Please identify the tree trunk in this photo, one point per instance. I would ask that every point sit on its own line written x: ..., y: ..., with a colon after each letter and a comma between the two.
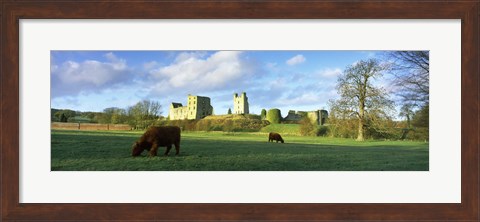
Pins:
x: 361, y: 118
x: 360, y: 130
x: 409, y: 125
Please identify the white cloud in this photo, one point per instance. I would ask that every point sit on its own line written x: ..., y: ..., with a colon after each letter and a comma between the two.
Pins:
x: 72, y: 78
x: 306, y: 98
x: 88, y: 72
x: 110, y: 56
x: 295, y: 60
x: 184, y: 56
x: 329, y: 72
x: 195, y: 72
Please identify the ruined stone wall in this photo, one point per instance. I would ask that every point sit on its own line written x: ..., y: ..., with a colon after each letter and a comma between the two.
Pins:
x: 203, y: 107
x: 294, y: 116
x: 178, y: 112
x: 67, y: 126
x: 197, y: 107
x: 318, y: 117
x: 119, y: 127
x: 313, y: 115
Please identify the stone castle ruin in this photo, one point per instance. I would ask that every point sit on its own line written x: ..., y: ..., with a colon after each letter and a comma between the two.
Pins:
x: 318, y: 117
x: 197, y: 107
x: 240, y: 103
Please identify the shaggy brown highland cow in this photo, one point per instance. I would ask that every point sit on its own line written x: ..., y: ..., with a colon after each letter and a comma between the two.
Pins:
x: 275, y: 136
x: 155, y: 137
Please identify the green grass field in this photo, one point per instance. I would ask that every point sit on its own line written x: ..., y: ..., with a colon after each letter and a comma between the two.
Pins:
x: 284, y: 129
x: 218, y: 151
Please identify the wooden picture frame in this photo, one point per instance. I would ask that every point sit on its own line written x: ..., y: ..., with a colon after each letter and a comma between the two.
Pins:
x: 12, y: 11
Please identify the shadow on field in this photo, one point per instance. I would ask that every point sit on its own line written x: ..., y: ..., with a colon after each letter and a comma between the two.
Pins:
x: 85, y: 145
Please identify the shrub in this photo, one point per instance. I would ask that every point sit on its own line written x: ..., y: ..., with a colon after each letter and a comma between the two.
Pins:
x: 203, y: 125
x: 307, y: 128
x: 418, y: 133
x: 386, y: 133
x: 343, y: 128
x: 420, y: 119
x: 185, y: 125
x: 228, y: 126
x: 322, y: 131
x: 252, y: 116
x: 232, y: 123
x: 247, y: 125
x: 274, y: 116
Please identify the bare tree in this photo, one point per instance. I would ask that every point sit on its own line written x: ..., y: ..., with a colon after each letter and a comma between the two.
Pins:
x: 359, y: 98
x: 411, y: 70
x: 143, y: 112
x: 113, y: 115
x: 407, y: 111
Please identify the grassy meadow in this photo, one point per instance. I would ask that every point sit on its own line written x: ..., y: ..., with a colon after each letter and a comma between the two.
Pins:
x: 284, y: 129
x: 220, y: 151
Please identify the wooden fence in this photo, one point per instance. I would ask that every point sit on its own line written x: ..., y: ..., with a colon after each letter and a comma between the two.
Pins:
x: 90, y: 126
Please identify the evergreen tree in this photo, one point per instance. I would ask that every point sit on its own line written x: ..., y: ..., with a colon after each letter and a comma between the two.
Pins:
x: 63, y: 118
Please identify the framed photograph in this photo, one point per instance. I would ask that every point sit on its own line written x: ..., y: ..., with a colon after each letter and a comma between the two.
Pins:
x: 276, y: 110
x: 233, y: 101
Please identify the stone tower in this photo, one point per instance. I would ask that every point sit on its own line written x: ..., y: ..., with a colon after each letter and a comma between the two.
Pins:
x: 240, y: 103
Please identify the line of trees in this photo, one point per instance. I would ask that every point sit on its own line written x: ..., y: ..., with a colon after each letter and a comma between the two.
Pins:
x: 141, y: 115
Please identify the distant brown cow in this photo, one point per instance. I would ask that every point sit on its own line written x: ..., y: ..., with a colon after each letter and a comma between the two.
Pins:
x: 155, y: 137
x: 275, y: 136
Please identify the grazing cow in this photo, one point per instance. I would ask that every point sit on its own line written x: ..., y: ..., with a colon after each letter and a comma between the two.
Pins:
x: 155, y: 137
x: 275, y: 136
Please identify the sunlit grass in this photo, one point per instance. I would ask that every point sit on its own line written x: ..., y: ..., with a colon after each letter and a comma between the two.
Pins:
x: 284, y: 129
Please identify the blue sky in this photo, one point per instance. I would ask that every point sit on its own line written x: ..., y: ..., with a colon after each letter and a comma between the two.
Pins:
x: 288, y: 80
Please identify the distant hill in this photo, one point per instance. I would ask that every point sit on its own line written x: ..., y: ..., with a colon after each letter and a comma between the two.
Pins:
x: 73, y: 116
